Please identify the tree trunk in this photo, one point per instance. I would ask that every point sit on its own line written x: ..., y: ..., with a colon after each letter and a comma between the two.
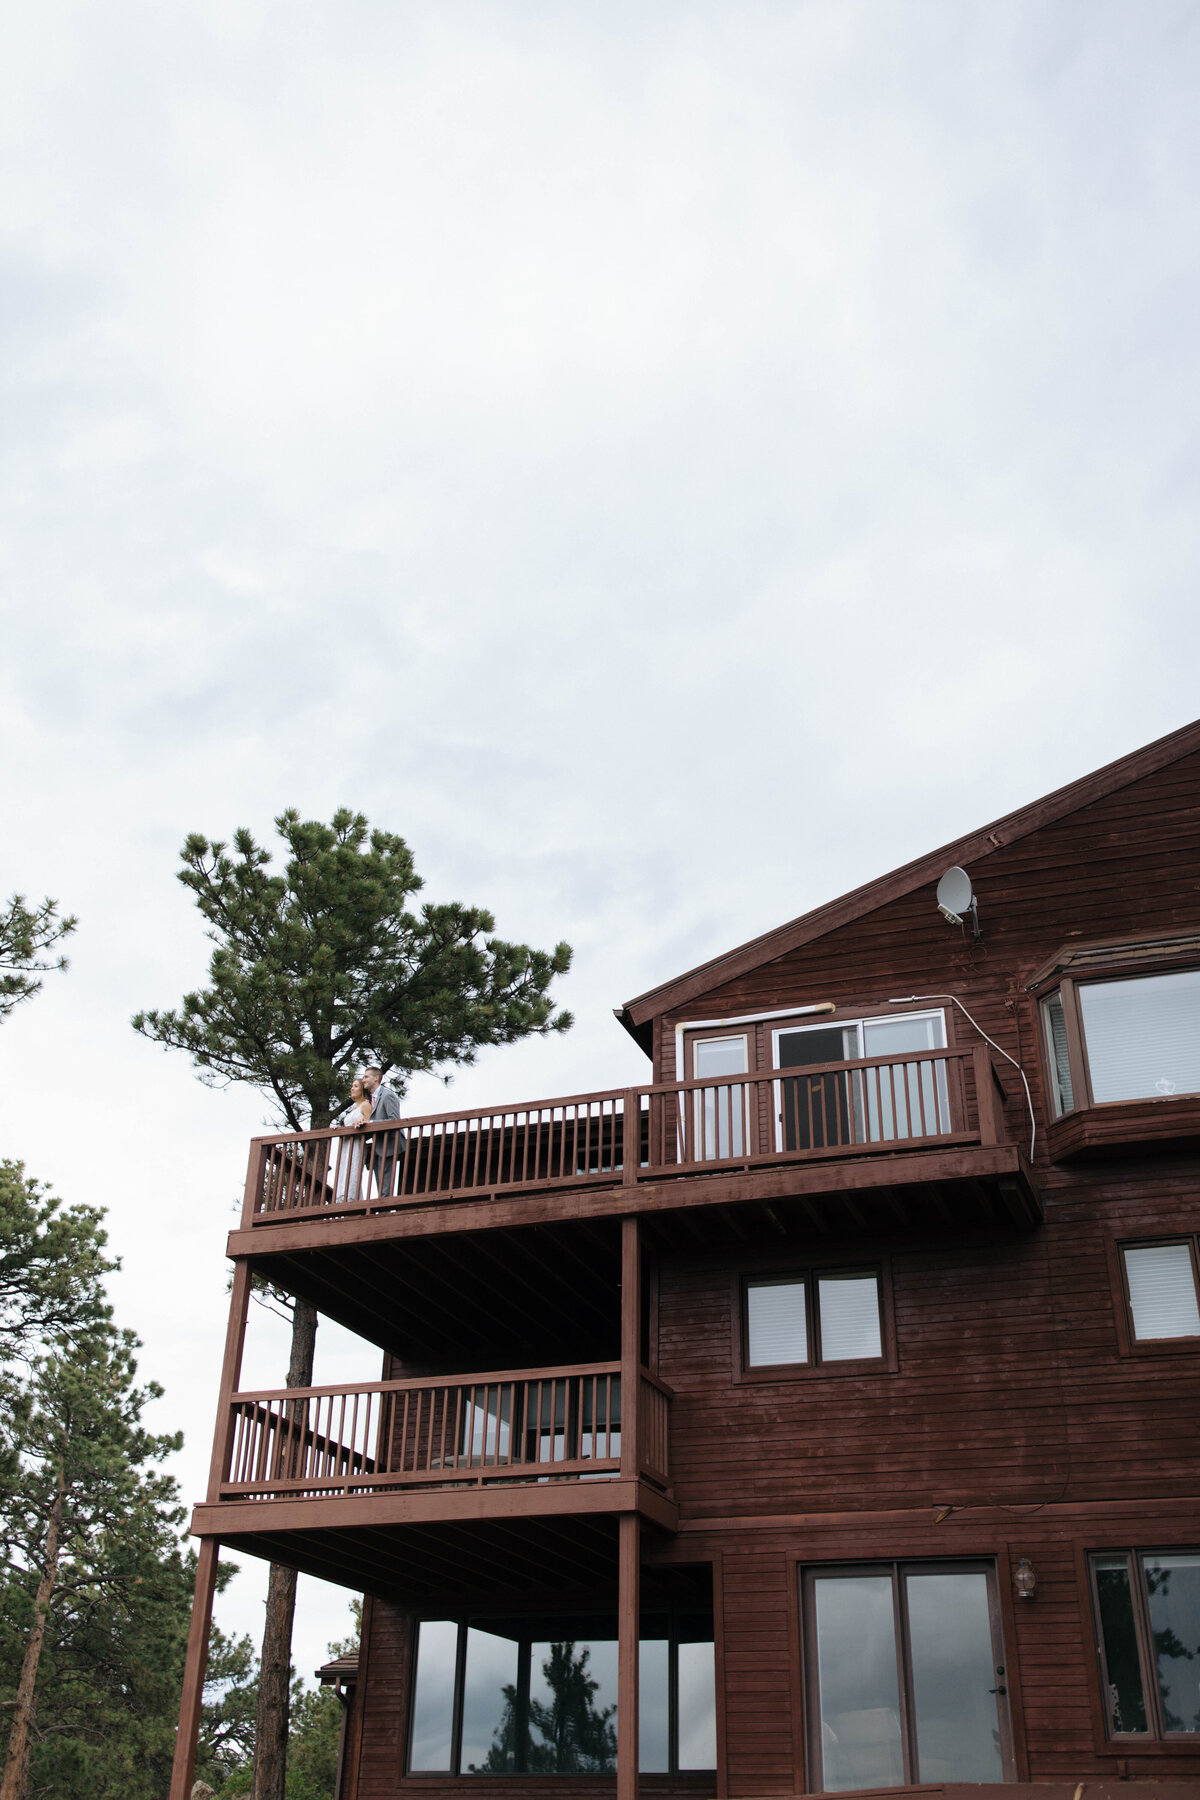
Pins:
x: 275, y: 1666
x: 16, y: 1763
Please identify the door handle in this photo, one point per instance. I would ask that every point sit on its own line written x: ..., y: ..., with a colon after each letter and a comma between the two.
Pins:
x: 999, y: 1690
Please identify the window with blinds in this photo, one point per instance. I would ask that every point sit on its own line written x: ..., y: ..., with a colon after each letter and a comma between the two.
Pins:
x: 776, y: 1323
x: 848, y: 1315
x: 1142, y: 1036
x: 1061, y: 1090
x: 814, y: 1320
x: 1161, y: 1283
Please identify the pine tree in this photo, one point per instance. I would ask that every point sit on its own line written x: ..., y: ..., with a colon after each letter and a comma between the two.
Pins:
x: 52, y: 1267
x: 317, y: 970
x: 94, y: 1574
x: 26, y: 934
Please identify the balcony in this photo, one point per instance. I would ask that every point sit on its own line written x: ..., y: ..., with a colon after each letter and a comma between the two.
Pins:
x: 449, y: 1433
x: 369, y: 1481
x: 898, y: 1131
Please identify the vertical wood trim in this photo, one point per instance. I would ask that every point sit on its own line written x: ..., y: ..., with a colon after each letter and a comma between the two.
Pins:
x: 631, y: 1136
x: 354, y: 1742
x: 718, y: 1600
x: 628, y: 1629
x: 791, y: 1575
x: 191, y: 1700
x: 231, y: 1370
x: 631, y: 1347
x: 1010, y: 1648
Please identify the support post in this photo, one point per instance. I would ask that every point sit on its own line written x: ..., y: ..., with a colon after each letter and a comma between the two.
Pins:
x: 631, y: 1347
x: 991, y: 1119
x: 183, y: 1770
x: 628, y: 1621
x: 231, y: 1372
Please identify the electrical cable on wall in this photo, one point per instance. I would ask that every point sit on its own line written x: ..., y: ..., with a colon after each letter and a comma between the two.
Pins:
x: 905, y: 999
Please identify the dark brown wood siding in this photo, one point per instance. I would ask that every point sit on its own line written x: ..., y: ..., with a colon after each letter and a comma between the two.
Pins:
x: 1014, y: 1401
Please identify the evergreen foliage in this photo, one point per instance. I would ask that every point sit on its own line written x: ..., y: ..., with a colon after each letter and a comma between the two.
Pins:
x: 323, y: 967
x: 94, y: 1587
x: 26, y: 934
x: 52, y: 1266
x: 567, y: 1734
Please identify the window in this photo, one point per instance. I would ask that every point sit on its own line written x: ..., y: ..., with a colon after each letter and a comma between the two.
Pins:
x: 1139, y: 1038
x: 1148, y: 1618
x: 814, y: 1319
x: 538, y: 1695
x: 1161, y: 1290
x: 905, y: 1675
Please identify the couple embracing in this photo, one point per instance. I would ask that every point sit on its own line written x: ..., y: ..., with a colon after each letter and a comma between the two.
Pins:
x: 372, y: 1101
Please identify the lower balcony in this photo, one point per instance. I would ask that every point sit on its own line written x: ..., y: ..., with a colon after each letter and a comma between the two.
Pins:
x: 380, y: 1484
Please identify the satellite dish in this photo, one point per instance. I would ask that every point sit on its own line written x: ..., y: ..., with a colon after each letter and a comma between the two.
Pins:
x: 956, y: 898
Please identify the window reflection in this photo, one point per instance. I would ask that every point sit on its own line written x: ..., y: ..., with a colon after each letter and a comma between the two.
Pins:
x: 433, y: 1695
x: 906, y: 1676
x: 860, y: 1693
x: 538, y: 1695
x: 1173, y: 1594
x: 950, y: 1645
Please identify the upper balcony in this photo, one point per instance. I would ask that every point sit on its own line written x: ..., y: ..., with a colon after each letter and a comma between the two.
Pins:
x: 863, y: 1143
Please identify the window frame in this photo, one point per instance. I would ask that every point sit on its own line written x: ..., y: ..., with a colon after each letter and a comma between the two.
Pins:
x: 810, y: 1272
x: 1128, y: 1343
x: 465, y: 1618
x: 1005, y: 1670
x: 1067, y: 986
x: 1154, y: 1742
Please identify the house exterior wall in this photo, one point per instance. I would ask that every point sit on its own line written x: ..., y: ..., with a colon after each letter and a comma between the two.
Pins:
x: 1017, y: 1420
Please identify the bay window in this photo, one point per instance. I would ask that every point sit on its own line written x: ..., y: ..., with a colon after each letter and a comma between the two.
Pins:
x: 1133, y: 1038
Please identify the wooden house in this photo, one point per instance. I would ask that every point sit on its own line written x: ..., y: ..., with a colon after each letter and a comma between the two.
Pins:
x: 820, y: 1415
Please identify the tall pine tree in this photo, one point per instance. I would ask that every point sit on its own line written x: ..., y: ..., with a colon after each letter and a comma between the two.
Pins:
x: 319, y: 968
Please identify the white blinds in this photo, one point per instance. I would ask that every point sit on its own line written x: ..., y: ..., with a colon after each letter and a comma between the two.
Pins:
x: 1143, y: 1036
x: 848, y: 1308
x: 1056, y: 1038
x: 1162, y: 1291
x: 776, y: 1323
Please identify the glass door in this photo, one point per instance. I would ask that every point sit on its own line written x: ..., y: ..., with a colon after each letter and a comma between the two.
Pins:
x: 816, y: 1112
x: 906, y: 1675
x: 905, y: 1100
x: 719, y: 1114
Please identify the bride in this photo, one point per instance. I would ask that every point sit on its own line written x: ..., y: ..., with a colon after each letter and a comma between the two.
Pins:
x: 350, y: 1160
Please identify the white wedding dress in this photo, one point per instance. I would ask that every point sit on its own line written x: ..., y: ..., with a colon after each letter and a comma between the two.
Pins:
x: 350, y: 1159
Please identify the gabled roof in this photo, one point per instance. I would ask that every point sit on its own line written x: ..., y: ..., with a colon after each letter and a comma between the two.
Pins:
x: 636, y: 1015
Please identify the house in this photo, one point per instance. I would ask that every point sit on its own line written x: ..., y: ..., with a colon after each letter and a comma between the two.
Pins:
x: 820, y: 1415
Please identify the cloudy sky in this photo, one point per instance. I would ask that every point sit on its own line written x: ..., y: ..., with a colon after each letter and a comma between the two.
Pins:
x: 669, y: 462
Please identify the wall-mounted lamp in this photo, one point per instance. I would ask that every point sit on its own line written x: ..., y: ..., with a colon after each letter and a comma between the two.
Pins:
x: 1024, y: 1579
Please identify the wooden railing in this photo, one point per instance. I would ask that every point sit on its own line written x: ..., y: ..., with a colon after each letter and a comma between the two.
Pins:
x: 873, y: 1106
x: 450, y: 1431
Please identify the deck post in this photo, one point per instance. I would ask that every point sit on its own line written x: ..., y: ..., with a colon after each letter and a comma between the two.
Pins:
x: 231, y: 1372
x: 631, y: 1347
x: 628, y: 1620
x: 191, y: 1701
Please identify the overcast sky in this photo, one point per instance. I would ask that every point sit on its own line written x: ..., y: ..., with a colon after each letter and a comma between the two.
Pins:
x: 670, y: 462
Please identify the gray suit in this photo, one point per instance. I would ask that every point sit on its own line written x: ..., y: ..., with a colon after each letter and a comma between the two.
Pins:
x: 385, y: 1104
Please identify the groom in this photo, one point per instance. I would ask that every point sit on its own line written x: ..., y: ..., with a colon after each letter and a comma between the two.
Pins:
x: 385, y: 1104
